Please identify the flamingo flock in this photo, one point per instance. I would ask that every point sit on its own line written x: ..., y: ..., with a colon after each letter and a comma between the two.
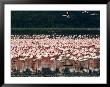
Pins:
x: 43, y: 51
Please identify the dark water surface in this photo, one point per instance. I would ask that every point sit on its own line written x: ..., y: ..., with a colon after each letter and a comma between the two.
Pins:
x: 58, y: 31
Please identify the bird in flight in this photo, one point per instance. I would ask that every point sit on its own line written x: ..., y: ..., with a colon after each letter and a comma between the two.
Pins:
x: 66, y: 15
x: 85, y: 12
x: 93, y: 14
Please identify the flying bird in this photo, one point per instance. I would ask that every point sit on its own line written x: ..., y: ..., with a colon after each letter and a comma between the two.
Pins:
x: 93, y: 14
x: 66, y: 15
x: 85, y: 12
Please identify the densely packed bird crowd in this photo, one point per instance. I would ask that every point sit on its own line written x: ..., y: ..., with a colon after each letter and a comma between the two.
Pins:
x: 78, y: 53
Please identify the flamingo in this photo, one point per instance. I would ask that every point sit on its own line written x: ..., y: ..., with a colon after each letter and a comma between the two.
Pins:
x: 66, y: 15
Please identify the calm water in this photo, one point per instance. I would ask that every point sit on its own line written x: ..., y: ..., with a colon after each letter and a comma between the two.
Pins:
x: 58, y: 31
